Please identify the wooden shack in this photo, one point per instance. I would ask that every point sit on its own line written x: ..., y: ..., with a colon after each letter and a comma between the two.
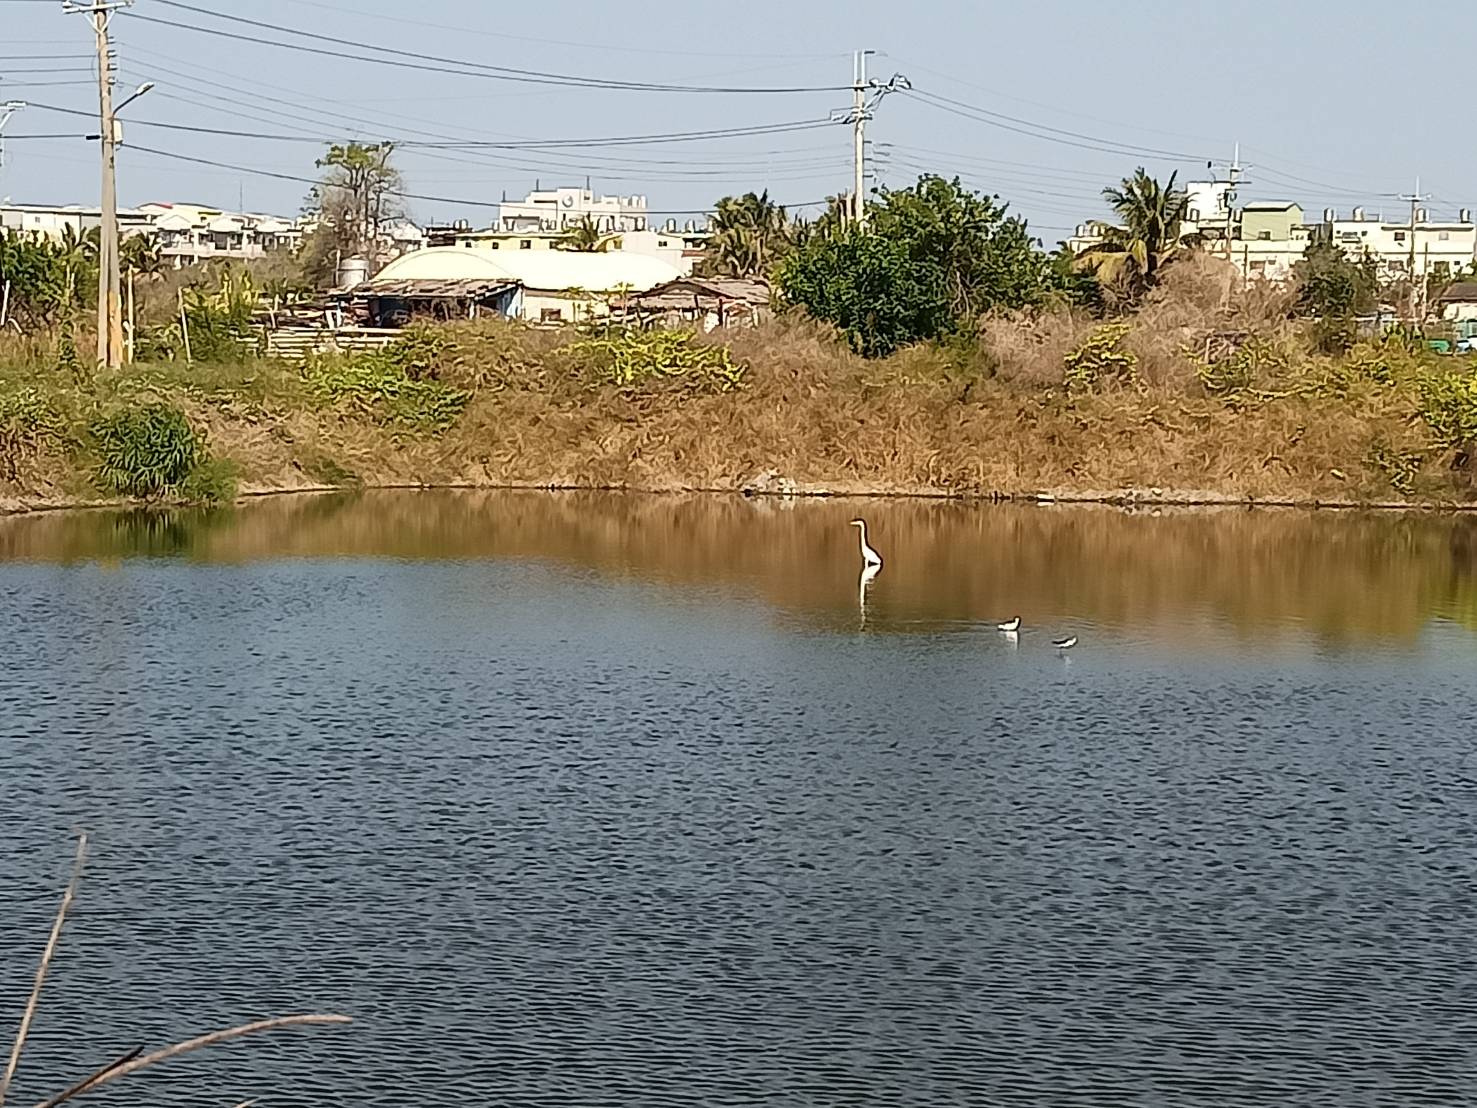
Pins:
x: 707, y: 303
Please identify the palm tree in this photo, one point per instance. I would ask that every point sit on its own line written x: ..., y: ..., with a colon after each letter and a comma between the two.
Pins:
x: 584, y: 237
x: 1132, y: 254
x: 750, y: 233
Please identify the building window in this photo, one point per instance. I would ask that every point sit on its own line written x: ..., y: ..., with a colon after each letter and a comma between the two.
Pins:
x: 494, y: 245
x: 525, y: 244
x: 1264, y: 236
x: 1444, y: 236
x: 551, y: 315
x: 468, y: 244
x: 1399, y: 236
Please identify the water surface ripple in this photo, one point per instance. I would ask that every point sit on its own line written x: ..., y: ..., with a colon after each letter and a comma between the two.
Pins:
x: 562, y: 819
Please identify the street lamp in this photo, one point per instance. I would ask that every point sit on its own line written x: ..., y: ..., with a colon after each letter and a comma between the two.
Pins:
x: 143, y: 88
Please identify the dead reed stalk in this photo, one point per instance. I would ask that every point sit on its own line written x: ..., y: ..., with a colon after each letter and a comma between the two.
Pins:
x: 113, y: 1073
x: 130, y: 1062
x: 46, y: 955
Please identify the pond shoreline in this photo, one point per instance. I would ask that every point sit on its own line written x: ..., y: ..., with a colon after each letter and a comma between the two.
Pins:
x: 768, y: 488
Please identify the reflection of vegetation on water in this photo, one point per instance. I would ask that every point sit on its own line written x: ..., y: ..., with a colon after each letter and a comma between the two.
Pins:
x: 1343, y: 577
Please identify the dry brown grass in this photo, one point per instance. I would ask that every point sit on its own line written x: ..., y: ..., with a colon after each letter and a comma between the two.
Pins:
x: 991, y: 416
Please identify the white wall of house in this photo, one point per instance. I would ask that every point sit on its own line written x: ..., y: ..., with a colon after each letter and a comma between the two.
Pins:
x: 1439, y: 246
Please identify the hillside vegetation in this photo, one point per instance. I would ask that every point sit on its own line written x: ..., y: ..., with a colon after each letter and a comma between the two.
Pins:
x: 1195, y: 392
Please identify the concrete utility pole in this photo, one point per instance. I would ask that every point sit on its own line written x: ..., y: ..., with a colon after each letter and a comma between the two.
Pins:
x: 859, y: 136
x: 861, y: 111
x: 109, y: 298
x: 1416, y: 199
x: 7, y: 109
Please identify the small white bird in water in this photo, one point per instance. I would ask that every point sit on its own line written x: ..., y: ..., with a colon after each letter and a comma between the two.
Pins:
x: 870, y: 557
x: 1065, y: 644
x: 1010, y: 626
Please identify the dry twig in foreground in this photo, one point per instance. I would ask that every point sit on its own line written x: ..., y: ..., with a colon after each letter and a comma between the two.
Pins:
x: 46, y: 956
x: 130, y: 1062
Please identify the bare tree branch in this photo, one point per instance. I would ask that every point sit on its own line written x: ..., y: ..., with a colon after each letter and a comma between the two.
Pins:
x: 46, y: 956
x: 185, y: 1047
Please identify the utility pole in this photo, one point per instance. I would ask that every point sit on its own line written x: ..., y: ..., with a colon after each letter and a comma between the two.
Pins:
x: 861, y: 111
x: 7, y: 109
x: 109, y: 299
x: 859, y: 136
x: 1416, y: 199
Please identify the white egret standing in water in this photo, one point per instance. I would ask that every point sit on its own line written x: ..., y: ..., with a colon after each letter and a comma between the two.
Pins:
x: 870, y: 557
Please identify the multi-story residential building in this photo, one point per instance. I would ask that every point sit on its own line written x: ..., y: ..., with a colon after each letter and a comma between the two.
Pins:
x: 562, y: 208
x: 54, y: 220
x: 1270, y: 238
x: 1432, y: 247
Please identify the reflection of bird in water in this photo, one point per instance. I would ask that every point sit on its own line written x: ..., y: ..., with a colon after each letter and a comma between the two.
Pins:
x: 1065, y: 644
x: 870, y: 557
x: 1010, y: 626
x: 863, y: 583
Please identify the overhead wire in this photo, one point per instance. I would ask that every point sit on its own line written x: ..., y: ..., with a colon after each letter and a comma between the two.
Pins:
x: 412, y: 59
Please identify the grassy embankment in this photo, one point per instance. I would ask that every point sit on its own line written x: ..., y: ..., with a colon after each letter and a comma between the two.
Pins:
x: 1053, y: 403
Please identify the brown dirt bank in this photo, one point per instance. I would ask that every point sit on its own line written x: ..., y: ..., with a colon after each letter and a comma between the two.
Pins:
x: 500, y: 406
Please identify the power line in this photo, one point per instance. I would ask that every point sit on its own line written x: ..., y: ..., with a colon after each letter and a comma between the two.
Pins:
x: 1051, y: 134
x: 459, y: 201
x: 477, y: 144
x: 440, y: 64
x: 604, y: 48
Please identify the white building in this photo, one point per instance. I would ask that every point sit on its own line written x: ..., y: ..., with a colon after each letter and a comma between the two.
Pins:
x: 54, y: 220
x: 553, y: 286
x: 667, y: 247
x: 1439, y: 248
x: 562, y: 208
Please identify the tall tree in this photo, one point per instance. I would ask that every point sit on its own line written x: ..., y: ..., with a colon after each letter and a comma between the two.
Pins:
x: 1132, y: 254
x: 357, y: 195
x: 932, y: 258
x: 987, y: 258
x: 750, y: 234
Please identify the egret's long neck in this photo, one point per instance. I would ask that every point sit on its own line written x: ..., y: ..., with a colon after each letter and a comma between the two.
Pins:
x: 862, y: 531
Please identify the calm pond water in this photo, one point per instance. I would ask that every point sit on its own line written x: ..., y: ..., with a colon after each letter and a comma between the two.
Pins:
x: 625, y: 801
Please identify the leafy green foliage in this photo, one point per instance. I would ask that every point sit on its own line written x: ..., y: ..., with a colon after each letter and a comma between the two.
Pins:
x: 630, y: 358
x: 389, y: 385
x: 1448, y: 404
x: 1333, y: 289
x: 145, y: 451
x: 219, y: 317
x: 1399, y: 466
x: 48, y: 277
x: 931, y: 260
x: 750, y: 233
x: 1098, y: 359
x: 26, y: 419
x: 1132, y: 254
x: 984, y: 258
x: 869, y: 287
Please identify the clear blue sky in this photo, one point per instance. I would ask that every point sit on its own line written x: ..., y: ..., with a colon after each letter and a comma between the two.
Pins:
x: 1335, y: 102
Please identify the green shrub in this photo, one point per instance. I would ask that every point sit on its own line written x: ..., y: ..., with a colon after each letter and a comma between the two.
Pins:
x: 212, y: 481
x: 629, y: 358
x: 26, y: 418
x: 376, y: 384
x: 1098, y: 359
x: 1448, y: 404
x: 1399, y: 467
x: 145, y: 451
